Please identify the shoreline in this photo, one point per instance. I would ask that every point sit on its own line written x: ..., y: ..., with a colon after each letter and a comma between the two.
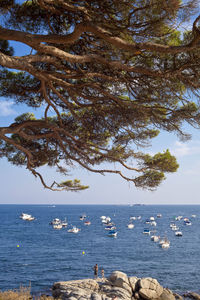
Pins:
x: 117, y: 286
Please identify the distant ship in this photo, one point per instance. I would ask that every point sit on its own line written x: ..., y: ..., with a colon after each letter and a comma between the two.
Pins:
x: 138, y: 204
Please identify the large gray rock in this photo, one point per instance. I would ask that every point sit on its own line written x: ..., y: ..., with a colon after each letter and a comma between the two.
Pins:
x: 95, y: 296
x: 177, y: 296
x: 119, y: 293
x: 133, y: 281
x: 75, y: 289
x: 120, y: 279
x: 149, y: 288
x: 167, y: 295
x: 148, y: 294
x: 193, y: 295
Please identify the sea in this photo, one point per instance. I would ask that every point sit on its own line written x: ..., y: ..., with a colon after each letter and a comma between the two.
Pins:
x: 34, y: 254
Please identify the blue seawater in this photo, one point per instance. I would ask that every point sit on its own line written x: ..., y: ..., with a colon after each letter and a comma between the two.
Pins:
x: 34, y: 252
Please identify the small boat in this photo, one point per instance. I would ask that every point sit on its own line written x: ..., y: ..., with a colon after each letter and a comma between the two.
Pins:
x: 110, y: 227
x: 175, y: 228
x: 130, y: 226
x: 133, y: 218
x: 64, y: 223
x: 106, y: 220
x: 159, y: 216
x: 146, y: 231
x: 55, y: 221
x: 57, y: 226
x: 155, y: 238
x: 153, y: 223
x: 178, y: 233
x: 188, y: 223
x: 82, y: 217
x: 112, y: 233
x: 26, y: 217
x: 148, y: 221
x: 152, y: 219
x: 74, y: 229
x: 193, y: 216
x: 178, y: 218
x: 139, y: 217
x: 87, y: 223
x: 164, y: 243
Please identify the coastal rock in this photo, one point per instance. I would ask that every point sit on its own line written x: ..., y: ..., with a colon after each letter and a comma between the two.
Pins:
x: 192, y: 295
x: 119, y: 293
x: 75, y: 289
x: 95, y: 296
x: 177, y: 296
x: 116, y: 286
x: 121, y: 280
x: 167, y: 295
x: 148, y: 294
x: 133, y: 282
x: 149, y: 288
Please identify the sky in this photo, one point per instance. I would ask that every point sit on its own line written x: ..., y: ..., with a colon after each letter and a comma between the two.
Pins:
x: 19, y: 186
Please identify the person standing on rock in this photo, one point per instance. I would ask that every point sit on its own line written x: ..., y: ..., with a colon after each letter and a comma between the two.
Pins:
x: 96, y: 271
x: 102, y: 273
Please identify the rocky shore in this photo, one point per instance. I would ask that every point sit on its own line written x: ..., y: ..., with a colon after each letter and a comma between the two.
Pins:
x: 117, y: 286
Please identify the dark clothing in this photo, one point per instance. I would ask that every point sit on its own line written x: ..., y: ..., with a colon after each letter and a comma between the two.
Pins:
x: 96, y: 270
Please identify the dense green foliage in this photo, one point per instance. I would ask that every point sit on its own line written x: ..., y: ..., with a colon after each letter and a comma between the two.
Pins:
x: 114, y: 73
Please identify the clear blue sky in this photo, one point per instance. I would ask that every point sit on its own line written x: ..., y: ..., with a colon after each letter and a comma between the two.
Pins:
x: 19, y: 186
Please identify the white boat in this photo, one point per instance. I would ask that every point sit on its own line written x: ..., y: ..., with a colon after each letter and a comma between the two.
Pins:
x: 152, y: 219
x: 130, y: 226
x: 148, y: 221
x: 82, y: 217
x: 26, y: 217
x: 106, y: 220
x: 188, y: 223
x: 178, y: 218
x: 57, y: 226
x: 178, y: 233
x: 193, y: 216
x: 175, y: 228
x: 155, y: 238
x: 164, y: 243
x: 146, y: 231
x: 185, y: 219
x: 64, y: 223
x: 153, y: 223
x: 112, y: 233
x: 74, y: 229
x: 159, y: 216
x: 133, y: 218
x: 87, y: 223
x: 55, y: 221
